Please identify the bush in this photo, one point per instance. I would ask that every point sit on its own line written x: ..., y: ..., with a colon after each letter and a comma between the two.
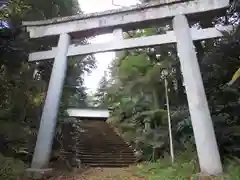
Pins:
x: 232, y: 169
x: 185, y: 167
x: 10, y: 169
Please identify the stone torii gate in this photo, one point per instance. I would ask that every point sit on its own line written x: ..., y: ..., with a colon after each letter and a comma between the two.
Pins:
x: 125, y: 19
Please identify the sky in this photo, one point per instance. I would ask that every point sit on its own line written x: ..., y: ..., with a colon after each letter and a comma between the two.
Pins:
x: 102, y: 59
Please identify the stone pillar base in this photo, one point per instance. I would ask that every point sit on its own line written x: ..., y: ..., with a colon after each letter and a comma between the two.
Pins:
x: 201, y: 176
x: 38, y: 173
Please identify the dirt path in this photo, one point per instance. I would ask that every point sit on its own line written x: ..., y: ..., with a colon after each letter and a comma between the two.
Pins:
x: 109, y: 174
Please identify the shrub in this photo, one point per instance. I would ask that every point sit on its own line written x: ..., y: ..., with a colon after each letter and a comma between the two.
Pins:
x: 185, y: 167
x: 10, y: 169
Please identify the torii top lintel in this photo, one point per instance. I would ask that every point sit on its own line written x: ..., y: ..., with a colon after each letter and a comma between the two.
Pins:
x: 120, y: 18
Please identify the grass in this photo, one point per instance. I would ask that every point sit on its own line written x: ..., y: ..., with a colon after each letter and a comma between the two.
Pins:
x: 183, y: 169
x: 232, y: 169
x: 109, y: 174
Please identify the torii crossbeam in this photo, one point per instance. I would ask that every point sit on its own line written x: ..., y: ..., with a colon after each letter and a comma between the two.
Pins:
x: 127, y: 18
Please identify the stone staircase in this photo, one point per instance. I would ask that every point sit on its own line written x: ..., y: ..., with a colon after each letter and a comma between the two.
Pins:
x: 97, y: 145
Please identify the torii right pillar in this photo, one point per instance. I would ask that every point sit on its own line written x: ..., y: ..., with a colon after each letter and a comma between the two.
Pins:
x: 208, y: 153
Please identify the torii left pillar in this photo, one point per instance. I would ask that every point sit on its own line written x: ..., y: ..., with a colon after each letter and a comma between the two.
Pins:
x: 50, y: 111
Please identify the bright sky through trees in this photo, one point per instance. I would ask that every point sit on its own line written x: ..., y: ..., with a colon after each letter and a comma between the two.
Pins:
x: 103, y: 59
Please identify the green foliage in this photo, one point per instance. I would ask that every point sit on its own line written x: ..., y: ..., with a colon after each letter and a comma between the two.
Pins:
x: 10, y: 169
x: 137, y: 99
x: 184, y: 167
x: 135, y: 90
x: 23, y: 86
x: 15, y: 8
x: 232, y: 169
x: 133, y: 66
x: 16, y: 139
x: 135, y: 94
x: 219, y: 65
x: 50, y: 9
x: 99, y: 98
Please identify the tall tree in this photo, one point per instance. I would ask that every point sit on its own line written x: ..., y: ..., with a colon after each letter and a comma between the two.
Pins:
x: 23, y: 84
x: 135, y: 90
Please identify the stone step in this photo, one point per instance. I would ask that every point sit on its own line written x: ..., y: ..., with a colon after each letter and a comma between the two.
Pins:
x: 104, y: 159
x: 89, y: 161
x: 103, y: 148
x: 104, y: 151
x: 100, y: 135
x: 99, y: 146
x: 111, y: 165
x: 100, y: 156
x: 107, y: 160
x: 106, y: 141
x: 101, y: 152
x: 85, y: 140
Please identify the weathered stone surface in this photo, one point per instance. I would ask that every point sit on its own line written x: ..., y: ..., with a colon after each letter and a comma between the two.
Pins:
x: 202, y: 176
x: 38, y: 173
x: 99, y: 14
x: 119, y: 44
x: 48, y: 123
x: 207, y: 149
x: 123, y: 18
